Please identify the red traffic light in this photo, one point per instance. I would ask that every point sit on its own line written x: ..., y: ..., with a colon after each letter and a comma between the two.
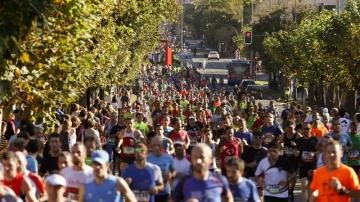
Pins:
x: 248, y: 38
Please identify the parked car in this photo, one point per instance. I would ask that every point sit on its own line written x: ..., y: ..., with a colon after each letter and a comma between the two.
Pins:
x: 213, y: 55
x: 245, y: 82
x: 256, y: 90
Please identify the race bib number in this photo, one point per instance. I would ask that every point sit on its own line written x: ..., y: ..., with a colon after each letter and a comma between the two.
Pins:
x: 289, y: 151
x: 238, y: 199
x: 129, y: 150
x: 111, y: 141
x: 227, y: 158
x: 142, y: 196
x: 275, y: 188
x: 307, y: 156
x: 353, y: 155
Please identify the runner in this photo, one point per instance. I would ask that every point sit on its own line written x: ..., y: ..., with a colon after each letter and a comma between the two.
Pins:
x: 77, y: 174
x: 167, y: 143
x: 128, y: 138
x: 318, y: 129
x: 228, y: 146
x: 202, y: 185
x: 335, y: 181
x: 64, y: 160
x: 104, y: 187
x: 6, y: 193
x: 14, y: 180
x: 36, y: 181
x: 166, y: 125
x: 55, y: 188
x: 289, y: 139
x: 178, y: 134
x: 207, y: 138
x: 193, y: 131
x: 275, y: 174
x: 307, y: 162
x: 110, y: 134
x: 343, y: 138
x: 140, y: 124
x: 253, y: 154
x: 166, y: 164
x: 182, y: 165
x: 271, y: 131
x: 241, y: 188
x: 354, y: 156
x: 141, y: 177
x: 49, y: 162
x: 243, y: 132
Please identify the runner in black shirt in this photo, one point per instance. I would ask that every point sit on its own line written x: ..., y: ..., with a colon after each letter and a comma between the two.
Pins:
x: 307, y: 161
x: 253, y: 154
x: 290, y: 153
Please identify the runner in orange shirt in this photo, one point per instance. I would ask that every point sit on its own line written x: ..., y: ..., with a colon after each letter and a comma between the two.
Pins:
x: 317, y: 128
x: 335, y: 181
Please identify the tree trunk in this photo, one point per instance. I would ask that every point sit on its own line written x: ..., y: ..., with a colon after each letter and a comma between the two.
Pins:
x: 88, y: 98
x: 101, y: 94
x: 1, y: 118
x: 350, y: 102
x: 312, y: 94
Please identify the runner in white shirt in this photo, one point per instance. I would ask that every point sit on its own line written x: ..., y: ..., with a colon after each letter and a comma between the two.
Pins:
x: 181, y: 164
x: 78, y: 174
x: 345, y: 123
x: 274, y: 175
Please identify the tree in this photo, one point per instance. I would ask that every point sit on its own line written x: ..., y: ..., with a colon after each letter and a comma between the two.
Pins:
x: 52, y: 51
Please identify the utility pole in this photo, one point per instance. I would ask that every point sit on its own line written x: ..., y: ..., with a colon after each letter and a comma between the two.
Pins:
x: 338, y: 6
x: 182, y: 26
x: 252, y: 12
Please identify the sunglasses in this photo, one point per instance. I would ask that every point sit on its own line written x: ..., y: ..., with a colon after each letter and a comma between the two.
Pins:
x: 140, y: 150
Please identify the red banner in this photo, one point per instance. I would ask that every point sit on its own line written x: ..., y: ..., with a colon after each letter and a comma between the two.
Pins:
x: 168, y: 56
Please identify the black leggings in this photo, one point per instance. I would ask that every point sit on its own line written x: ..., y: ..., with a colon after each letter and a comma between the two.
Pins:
x: 275, y: 199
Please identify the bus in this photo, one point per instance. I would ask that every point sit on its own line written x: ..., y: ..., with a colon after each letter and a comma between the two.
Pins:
x: 238, y: 70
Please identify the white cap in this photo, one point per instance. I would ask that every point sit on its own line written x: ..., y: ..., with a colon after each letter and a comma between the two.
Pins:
x: 55, y: 180
x: 325, y: 111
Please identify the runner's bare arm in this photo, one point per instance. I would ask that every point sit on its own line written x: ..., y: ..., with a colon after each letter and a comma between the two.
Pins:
x: 171, y: 147
x: 125, y: 190
x: 26, y: 189
x: 81, y: 193
x: 120, y: 137
x: 228, y: 197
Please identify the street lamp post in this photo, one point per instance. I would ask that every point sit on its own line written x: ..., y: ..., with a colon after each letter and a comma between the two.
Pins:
x: 182, y: 26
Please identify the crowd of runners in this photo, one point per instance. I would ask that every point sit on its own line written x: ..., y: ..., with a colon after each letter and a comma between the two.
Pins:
x: 172, y: 138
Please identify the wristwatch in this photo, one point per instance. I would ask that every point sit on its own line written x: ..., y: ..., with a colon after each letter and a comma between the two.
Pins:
x: 343, y: 191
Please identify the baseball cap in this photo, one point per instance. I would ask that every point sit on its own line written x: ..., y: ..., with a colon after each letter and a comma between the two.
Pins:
x: 325, y: 111
x: 100, y: 156
x: 307, y: 109
x: 55, y: 180
x: 191, y: 117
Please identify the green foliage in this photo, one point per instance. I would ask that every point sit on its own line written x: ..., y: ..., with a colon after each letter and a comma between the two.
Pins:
x: 218, y: 21
x: 52, y: 51
x: 323, y: 49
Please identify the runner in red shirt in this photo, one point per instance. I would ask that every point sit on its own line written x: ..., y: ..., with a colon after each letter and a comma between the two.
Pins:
x: 17, y: 182
x: 229, y: 146
x: 178, y: 134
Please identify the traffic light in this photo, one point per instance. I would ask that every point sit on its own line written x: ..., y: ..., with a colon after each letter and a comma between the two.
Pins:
x: 248, y: 38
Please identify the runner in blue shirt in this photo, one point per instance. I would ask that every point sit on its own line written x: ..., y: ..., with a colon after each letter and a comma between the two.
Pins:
x: 141, y: 177
x: 104, y: 187
x: 166, y: 164
x: 242, y: 189
x: 202, y: 185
